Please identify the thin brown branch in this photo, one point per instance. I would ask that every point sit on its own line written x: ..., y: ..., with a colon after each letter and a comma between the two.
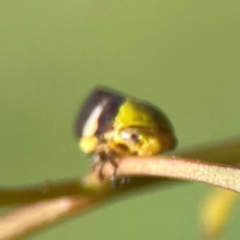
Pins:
x: 215, y: 174
x: 36, y: 216
x: 66, y: 198
x: 225, y: 151
x: 42, y: 214
x: 43, y: 191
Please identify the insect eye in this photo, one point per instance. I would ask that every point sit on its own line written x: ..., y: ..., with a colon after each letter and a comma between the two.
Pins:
x: 134, y: 137
x: 130, y: 135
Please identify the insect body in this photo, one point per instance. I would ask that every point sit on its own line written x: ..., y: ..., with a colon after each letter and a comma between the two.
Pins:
x: 111, y: 125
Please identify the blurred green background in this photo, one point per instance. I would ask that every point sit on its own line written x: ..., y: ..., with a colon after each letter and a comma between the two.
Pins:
x: 183, y: 56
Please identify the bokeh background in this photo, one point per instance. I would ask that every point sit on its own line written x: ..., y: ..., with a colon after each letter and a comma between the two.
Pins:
x: 183, y: 56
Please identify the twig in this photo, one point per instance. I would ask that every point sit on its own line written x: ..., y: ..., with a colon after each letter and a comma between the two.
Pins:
x: 77, y: 196
x: 42, y: 214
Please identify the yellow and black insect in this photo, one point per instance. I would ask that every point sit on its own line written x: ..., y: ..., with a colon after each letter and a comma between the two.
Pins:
x: 111, y: 125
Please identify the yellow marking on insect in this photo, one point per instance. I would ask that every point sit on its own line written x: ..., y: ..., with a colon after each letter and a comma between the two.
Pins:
x: 88, y: 144
x: 133, y: 114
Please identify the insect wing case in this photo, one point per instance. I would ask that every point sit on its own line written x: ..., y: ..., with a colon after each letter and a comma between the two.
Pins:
x: 106, y: 109
x: 98, y: 113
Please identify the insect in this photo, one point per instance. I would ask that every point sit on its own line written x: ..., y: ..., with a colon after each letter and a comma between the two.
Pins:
x: 111, y: 125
